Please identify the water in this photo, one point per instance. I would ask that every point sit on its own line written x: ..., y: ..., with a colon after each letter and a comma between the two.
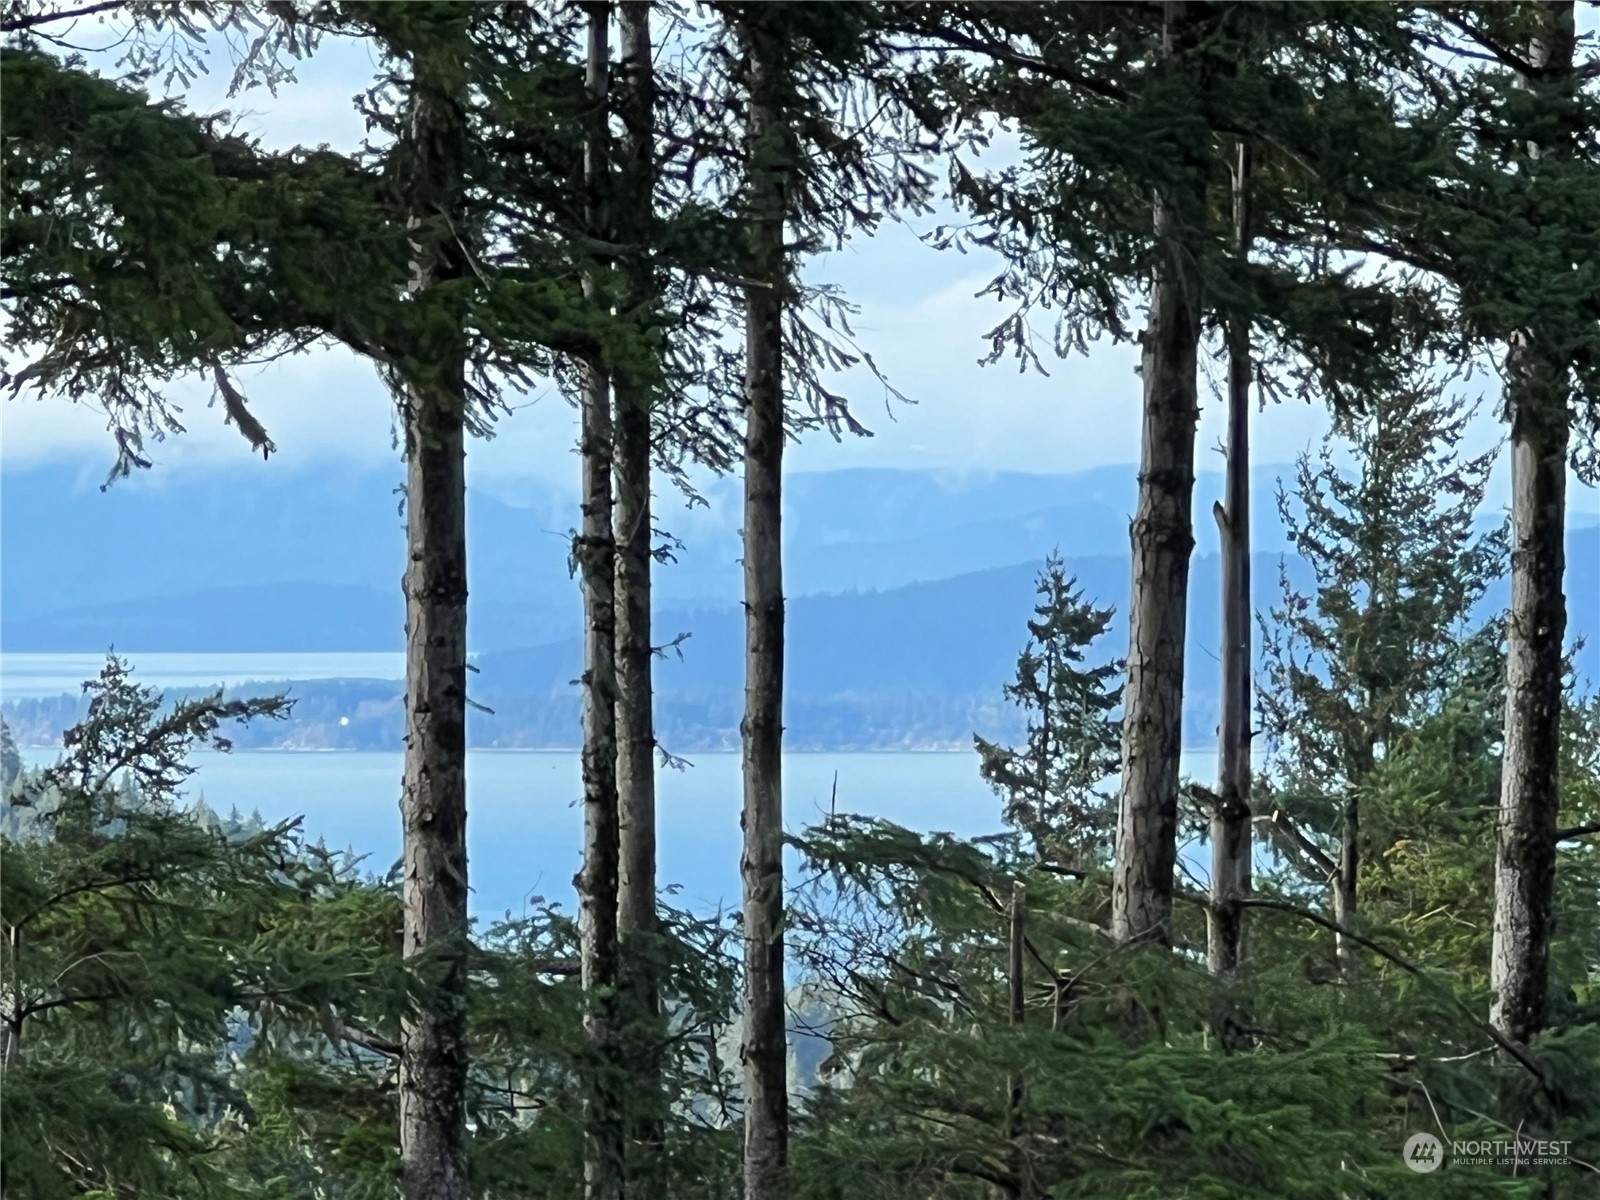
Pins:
x: 524, y: 829
x: 26, y: 676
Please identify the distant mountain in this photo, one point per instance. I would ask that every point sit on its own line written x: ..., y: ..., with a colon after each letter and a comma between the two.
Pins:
x: 268, y: 559
x: 911, y: 667
x: 75, y: 558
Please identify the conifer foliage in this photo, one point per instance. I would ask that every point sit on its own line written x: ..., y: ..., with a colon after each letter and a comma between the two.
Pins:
x: 1052, y: 787
x: 1353, y: 201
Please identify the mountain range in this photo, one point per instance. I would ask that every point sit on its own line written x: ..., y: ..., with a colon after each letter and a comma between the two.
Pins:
x: 276, y: 560
x: 908, y: 595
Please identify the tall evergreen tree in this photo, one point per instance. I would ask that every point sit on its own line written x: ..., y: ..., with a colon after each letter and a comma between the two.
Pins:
x: 769, y: 185
x: 428, y: 175
x: 1051, y: 786
x: 1353, y: 667
x: 1084, y: 218
x: 1538, y: 390
x: 596, y: 556
x: 1163, y: 526
x: 390, y: 261
x: 638, y: 929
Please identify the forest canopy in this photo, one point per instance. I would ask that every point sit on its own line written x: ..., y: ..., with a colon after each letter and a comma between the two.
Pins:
x: 1366, y: 952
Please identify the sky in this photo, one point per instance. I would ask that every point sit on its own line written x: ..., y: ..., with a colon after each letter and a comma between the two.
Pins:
x: 919, y: 317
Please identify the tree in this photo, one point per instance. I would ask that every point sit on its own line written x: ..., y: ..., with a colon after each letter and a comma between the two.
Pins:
x: 1537, y: 397
x: 153, y: 955
x: 638, y: 930
x: 1230, y: 817
x: 1084, y: 219
x: 595, y: 552
x: 1051, y: 786
x: 802, y: 72
x: 292, y: 248
x: 1162, y: 534
x: 10, y: 760
x: 1353, y: 668
x: 769, y: 171
x: 428, y: 175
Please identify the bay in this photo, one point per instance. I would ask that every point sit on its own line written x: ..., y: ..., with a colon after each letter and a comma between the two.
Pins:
x: 524, y: 828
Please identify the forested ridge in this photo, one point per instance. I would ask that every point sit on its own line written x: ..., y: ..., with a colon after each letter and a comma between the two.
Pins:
x: 919, y: 667
x: 1386, y: 982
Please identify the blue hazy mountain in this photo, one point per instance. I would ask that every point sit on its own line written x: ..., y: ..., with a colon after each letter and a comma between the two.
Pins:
x: 909, y: 592
x: 916, y: 666
x: 263, y: 558
x: 270, y: 559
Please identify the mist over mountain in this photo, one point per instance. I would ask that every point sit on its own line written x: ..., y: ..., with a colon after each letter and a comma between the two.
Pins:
x: 268, y: 559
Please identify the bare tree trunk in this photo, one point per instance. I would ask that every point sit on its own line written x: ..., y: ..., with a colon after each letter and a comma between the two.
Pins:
x: 636, y: 737
x: 1162, y: 535
x: 766, y: 1085
x: 597, y: 891
x: 433, y: 803
x: 1230, y: 823
x: 1525, y: 857
x: 1345, y: 895
x: 1017, y: 997
x: 1536, y: 399
x: 1163, y: 538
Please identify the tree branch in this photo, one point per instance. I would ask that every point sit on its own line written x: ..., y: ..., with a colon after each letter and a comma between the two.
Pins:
x: 1285, y: 826
x: 1511, y: 1049
x: 34, y: 19
x: 369, y: 1041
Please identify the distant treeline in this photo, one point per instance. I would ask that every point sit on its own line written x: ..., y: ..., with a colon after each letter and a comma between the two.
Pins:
x: 366, y: 714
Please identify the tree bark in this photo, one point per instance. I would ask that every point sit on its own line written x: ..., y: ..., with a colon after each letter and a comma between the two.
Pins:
x: 1017, y: 1008
x: 1345, y: 895
x: 433, y: 805
x: 1525, y: 855
x: 597, y: 890
x: 1230, y: 823
x: 766, y: 1088
x: 1162, y: 535
x: 1163, y: 538
x: 636, y: 737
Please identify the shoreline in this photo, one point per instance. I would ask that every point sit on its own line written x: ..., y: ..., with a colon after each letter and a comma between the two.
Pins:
x: 571, y: 750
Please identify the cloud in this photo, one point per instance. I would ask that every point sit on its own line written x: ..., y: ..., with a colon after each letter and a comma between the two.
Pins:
x: 919, y: 317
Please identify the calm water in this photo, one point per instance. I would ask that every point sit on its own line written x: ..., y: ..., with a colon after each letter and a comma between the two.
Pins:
x: 29, y: 675
x: 525, y: 827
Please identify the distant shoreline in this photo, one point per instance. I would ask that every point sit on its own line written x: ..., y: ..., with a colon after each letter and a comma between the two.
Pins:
x: 522, y: 712
x: 571, y: 750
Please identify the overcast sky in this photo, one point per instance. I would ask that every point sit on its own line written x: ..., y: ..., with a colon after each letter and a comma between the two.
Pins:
x: 919, y: 318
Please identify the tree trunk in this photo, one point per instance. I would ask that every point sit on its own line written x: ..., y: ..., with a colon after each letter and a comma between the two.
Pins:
x: 636, y: 737
x: 433, y: 804
x: 1017, y: 1006
x: 1345, y: 901
x: 766, y: 1089
x: 1163, y: 538
x: 597, y: 890
x: 1524, y: 896
x: 1230, y: 824
x: 1525, y: 857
